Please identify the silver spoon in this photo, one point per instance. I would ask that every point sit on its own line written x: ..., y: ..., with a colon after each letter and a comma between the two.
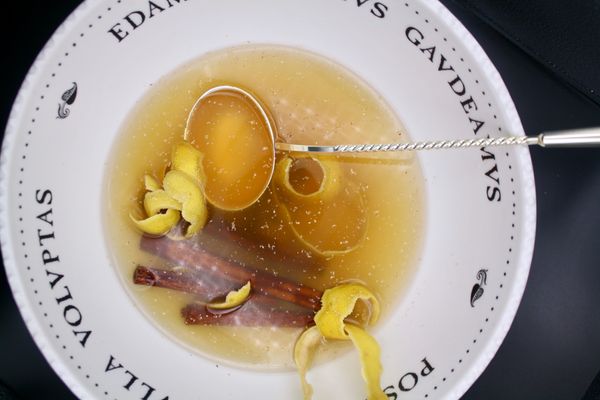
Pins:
x: 589, y: 137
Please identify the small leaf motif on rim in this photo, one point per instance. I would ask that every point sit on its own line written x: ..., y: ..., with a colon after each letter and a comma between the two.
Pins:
x: 478, y: 290
x: 68, y: 98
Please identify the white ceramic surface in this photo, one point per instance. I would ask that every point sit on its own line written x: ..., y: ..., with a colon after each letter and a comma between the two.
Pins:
x: 480, y: 204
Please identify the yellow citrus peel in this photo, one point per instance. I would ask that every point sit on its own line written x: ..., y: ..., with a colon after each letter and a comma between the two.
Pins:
x: 158, y: 200
x: 337, y: 304
x: 319, y: 217
x: 304, y: 351
x: 370, y: 360
x: 328, y: 171
x: 159, y: 224
x: 234, y: 298
x: 179, y: 196
x: 185, y: 158
x: 150, y: 183
x: 181, y: 187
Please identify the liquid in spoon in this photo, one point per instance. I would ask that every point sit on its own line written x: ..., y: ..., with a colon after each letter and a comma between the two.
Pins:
x: 238, y: 148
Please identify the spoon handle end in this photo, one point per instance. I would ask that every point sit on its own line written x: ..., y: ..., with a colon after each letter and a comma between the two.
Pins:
x: 589, y: 137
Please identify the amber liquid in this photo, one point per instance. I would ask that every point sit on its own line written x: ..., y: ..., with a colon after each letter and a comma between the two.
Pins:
x: 312, y: 101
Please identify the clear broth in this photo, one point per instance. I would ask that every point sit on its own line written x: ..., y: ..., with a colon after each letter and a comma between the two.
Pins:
x: 312, y: 100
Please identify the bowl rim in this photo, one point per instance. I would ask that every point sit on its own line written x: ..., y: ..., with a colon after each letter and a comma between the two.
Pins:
x: 529, y: 214
x: 23, y: 303
x: 493, y: 77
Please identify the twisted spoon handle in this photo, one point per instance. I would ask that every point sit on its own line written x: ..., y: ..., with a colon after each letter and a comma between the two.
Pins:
x: 571, y: 138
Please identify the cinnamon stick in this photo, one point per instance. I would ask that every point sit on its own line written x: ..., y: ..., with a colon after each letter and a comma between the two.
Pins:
x: 247, y: 249
x: 188, y: 254
x: 205, y: 288
x: 259, y: 310
x: 250, y: 314
x: 182, y: 280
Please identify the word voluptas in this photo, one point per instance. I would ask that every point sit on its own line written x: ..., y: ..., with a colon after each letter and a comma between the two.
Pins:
x: 52, y: 266
x: 467, y: 104
x: 137, y: 18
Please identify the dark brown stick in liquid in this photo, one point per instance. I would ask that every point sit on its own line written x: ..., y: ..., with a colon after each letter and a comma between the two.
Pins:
x: 247, y: 248
x: 259, y: 310
x: 182, y: 281
x: 187, y: 254
x: 252, y: 314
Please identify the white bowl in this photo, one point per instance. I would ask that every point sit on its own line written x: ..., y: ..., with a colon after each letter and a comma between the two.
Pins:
x: 480, y: 204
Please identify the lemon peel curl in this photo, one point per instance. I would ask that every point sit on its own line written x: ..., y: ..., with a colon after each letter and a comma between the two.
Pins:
x: 304, y: 351
x: 181, y: 187
x: 185, y: 158
x: 159, y: 224
x: 234, y: 298
x: 150, y: 183
x: 179, y: 196
x: 320, y: 219
x: 158, y: 200
x: 337, y: 304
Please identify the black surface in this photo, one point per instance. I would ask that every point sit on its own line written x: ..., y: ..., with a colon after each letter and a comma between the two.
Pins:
x: 553, y: 348
x: 6, y: 393
x: 593, y: 392
x: 25, y: 28
x: 558, y: 34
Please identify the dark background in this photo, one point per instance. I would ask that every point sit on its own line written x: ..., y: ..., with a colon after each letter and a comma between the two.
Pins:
x: 553, y: 348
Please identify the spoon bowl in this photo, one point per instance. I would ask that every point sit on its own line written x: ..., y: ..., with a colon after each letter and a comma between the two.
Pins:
x: 237, y: 137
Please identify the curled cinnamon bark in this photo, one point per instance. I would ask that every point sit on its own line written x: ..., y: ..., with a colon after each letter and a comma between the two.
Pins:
x: 253, y: 314
x: 183, y: 280
x: 259, y: 310
x: 188, y: 254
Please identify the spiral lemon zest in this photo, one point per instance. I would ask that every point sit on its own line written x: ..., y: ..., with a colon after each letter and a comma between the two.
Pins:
x: 370, y: 360
x: 181, y: 187
x: 185, y: 158
x: 234, y: 298
x: 304, y: 351
x: 179, y: 196
x: 159, y: 224
x: 158, y: 200
x: 337, y: 304
x: 320, y: 219
x: 150, y: 183
x: 330, y: 184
